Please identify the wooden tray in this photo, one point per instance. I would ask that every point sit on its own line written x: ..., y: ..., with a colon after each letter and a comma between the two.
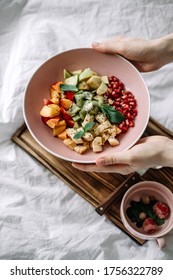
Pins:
x: 103, y: 191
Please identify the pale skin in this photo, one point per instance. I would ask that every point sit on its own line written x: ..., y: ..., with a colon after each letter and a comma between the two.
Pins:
x: 146, y: 55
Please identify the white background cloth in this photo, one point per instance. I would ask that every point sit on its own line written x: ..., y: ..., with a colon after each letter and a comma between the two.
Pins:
x: 41, y: 217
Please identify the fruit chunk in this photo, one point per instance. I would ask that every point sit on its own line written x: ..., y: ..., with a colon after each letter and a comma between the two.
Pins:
x: 70, y: 143
x: 65, y: 103
x: 47, y: 101
x: 102, y: 89
x: 85, y: 75
x: 56, y: 86
x: 66, y: 74
x: 53, y: 122
x: 105, y: 79
x: 94, y: 82
x: 161, y: 209
x: 70, y: 95
x: 73, y: 80
x: 83, y: 86
x: 59, y: 128
x: 51, y: 110
x: 54, y: 93
x: 76, y: 72
x: 63, y: 135
x: 149, y: 225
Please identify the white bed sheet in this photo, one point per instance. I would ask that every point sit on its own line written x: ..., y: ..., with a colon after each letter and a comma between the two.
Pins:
x: 41, y: 217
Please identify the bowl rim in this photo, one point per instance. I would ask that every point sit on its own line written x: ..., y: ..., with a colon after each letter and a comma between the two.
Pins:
x: 125, y: 221
x: 42, y: 64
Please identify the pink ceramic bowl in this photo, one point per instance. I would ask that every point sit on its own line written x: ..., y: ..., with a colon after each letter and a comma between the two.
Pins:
x: 160, y: 193
x: 104, y: 64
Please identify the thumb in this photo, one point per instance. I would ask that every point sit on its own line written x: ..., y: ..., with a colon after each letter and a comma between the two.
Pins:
x: 105, y: 47
x: 118, y: 158
x: 113, y: 45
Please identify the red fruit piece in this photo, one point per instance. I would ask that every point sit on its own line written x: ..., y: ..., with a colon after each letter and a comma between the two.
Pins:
x: 149, y: 225
x: 70, y: 95
x: 47, y: 101
x: 45, y: 119
x: 161, y: 209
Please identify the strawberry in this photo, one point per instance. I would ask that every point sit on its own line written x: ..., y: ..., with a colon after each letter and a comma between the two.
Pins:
x: 149, y: 225
x: 161, y: 209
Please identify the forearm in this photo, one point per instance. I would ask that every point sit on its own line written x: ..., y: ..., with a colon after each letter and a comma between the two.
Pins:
x: 167, y: 154
x: 164, y: 49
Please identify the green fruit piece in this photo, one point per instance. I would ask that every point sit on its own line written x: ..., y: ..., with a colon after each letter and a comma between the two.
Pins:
x: 76, y: 72
x: 105, y: 79
x: 85, y: 75
x: 73, y: 80
x: 94, y: 82
x: 83, y: 86
x: 102, y: 89
x: 66, y: 74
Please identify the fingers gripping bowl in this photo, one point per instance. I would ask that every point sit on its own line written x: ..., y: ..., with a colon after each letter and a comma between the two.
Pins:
x: 103, y: 64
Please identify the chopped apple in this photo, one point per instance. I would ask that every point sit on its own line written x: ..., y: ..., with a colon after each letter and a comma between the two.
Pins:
x: 65, y: 103
x: 53, y: 122
x: 51, y: 110
x: 59, y: 128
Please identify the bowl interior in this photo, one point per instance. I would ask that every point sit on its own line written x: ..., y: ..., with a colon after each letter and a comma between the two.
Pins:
x: 104, y: 64
x: 159, y: 192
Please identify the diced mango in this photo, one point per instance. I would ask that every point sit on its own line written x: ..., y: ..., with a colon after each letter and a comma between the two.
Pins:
x: 65, y: 103
x: 59, y: 128
x: 53, y: 122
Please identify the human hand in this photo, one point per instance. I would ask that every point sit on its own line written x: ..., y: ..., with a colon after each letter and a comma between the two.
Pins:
x: 148, y: 152
x: 145, y: 55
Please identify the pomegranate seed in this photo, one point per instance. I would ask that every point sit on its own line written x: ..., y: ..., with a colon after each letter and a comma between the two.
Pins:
x: 131, y: 124
x: 123, y: 101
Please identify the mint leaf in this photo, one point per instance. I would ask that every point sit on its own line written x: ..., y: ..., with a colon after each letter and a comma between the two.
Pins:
x: 66, y: 87
x: 159, y: 221
x: 88, y: 126
x: 113, y: 115
x: 79, y: 134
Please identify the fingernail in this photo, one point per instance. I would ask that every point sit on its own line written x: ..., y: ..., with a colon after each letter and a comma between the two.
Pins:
x: 100, y: 162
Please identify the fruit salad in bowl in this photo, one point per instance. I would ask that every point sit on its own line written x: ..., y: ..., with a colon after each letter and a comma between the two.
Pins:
x: 87, y: 110
x: 80, y: 103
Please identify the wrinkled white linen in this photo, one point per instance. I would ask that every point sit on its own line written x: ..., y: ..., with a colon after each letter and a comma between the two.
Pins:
x: 41, y: 217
